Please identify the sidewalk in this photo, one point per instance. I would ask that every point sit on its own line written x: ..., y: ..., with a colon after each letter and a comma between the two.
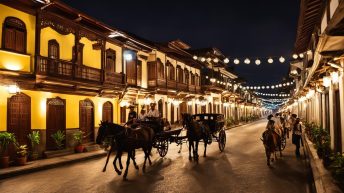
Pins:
x: 44, y: 164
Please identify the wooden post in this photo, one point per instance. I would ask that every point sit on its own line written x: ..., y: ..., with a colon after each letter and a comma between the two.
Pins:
x: 37, y: 39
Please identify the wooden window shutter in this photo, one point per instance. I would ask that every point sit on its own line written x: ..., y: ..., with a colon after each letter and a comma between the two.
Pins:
x: 139, y: 72
x: 10, y: 38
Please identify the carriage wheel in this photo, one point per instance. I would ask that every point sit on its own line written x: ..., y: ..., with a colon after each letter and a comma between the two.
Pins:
x: 222, y: 140
x: 162, y: 147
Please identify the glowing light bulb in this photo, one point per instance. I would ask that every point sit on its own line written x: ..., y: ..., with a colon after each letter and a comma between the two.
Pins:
x: 236, y: 61
x: 258, y: 62
x: 270, y: 60
x: 281, y: 59
x: 226, y: 60
x: 247, y: 61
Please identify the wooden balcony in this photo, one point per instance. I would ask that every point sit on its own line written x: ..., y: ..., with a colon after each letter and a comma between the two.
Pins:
x: 157, y: 83
x: 87, y: 73
x: 171, y: 84
x: 67, y: 70
x: 55, y: 68
x: 113, y: 78
x: 182, y: 87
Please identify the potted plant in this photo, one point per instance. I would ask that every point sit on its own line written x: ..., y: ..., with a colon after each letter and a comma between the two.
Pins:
x: 34, y: 139
x: 5, y: 140
x: 21, y: 154
x: 59, y: 137
x: 79, y: 147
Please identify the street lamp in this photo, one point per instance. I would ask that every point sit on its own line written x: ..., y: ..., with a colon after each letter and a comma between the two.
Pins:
x: 13, y: 89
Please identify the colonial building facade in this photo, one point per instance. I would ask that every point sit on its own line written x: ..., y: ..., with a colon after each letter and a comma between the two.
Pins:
x: 60, y: 69
x: 318, y: 71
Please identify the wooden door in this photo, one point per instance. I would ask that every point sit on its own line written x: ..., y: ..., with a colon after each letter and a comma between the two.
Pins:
x: 183, y: 108
x: 107, y: 112
x: 86, y: 119
x: 19, y: 119
x: 56, y: 120
x: 172, y: 113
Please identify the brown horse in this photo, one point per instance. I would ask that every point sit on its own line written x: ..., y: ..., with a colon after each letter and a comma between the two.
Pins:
x: 195, y: 133
x: 126, y: 139
x: 271, y: 142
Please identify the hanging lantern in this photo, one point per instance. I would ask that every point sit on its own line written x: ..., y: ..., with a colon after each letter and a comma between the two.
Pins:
x: 263, y: 87
x: 195, y: 57
x: 281, y: 59
x: 268, y: 87
x: 270, y: 60
x: 203, y: 59
x: 335, y: 77
x: 301, y: 55
x: 226, y: 60
x: 273, y: 87
x: 257, y: 62
x: 216, y: 60
x: 247, y: 61
x: 212, y: 80
x: 326, y: 81
x: 295, y: 56
x: 236, y: 61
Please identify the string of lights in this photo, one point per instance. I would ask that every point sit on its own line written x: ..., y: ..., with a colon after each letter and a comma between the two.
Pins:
x: 280, y: 85
x: 272, y: 94
x: 247, y: 60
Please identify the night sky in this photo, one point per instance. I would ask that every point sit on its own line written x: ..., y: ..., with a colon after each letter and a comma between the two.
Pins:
x: 245, y: 28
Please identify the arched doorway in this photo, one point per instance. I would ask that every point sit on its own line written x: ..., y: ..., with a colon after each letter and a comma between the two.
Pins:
x: 19, y: 118
x: 107, y: 112
x: 86, y: 119
x: 56, y: 119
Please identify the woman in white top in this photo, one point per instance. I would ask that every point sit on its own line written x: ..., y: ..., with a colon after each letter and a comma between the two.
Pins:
x: 296, y: 138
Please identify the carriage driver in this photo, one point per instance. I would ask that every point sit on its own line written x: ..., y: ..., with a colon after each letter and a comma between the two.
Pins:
x: 153, y: 112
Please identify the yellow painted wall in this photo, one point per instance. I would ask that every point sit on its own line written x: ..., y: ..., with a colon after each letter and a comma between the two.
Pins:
x: 66, y: 43
x: 38, y: 108
x: 14, y: 61
x: 118, y: 50
x: 30, y: 23
x: 161, y: 56
x: 91, y: 57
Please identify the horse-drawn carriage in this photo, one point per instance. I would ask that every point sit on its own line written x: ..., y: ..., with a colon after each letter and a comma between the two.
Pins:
x: 153, y: 133
x: 216, y: 124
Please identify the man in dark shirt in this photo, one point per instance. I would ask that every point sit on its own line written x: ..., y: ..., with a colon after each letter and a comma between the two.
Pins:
x: 132, y: 116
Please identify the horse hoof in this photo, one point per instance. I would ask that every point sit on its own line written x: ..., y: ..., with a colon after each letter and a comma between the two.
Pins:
x: 190, y: 158
x: 136, y: 167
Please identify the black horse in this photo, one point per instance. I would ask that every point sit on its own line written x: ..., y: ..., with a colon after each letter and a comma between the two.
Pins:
x: 195, y: 133
x: 125, y: 139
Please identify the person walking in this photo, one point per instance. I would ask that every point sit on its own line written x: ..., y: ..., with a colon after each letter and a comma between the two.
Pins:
x: 296, y: 137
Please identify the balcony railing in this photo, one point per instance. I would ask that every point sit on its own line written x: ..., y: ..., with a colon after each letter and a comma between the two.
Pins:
x: 182, y: 87
x: 64, y: 69
x: 53, y: 67
x: 171, y: 84
x: 87, y: 73
x: 113, y: 78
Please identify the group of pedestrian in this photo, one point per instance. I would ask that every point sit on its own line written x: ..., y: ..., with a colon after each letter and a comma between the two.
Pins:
x: 283, y: 123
